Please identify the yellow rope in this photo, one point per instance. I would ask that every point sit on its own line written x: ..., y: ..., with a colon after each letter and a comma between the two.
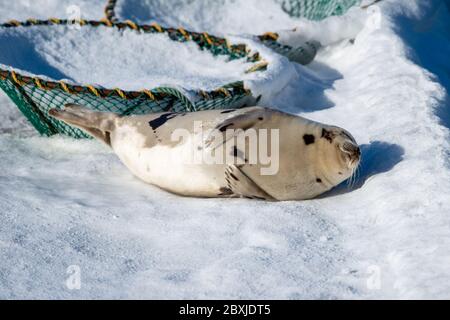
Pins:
x: 207, y: 38
x: 271, y: 35
x: 107, y: 22
x: 256, y: 57
x: 93, y: 90
x: 14, y: 22
x: 224, y: 91
x: 204, y: 94
x: 38, y: 83
x: 55, y: 20
x: 184, y: 33
x: 68, y: 89
x: 149, y: 94
x: 65, y: 87
x: 132, y: 24
x: 32, y: 21
x: 16, y: 80
x: 257, y: 67
x: 157, y: 27
x: 120, y: 93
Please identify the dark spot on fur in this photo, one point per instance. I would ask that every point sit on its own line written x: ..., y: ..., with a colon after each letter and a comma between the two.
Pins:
x: 199, y: 148
x: 260, y: 118
x: 228, y: 111
x: 318, y: 180
x: 225, y: 127
x: 158, y: 122
x: 108, y: 138
x: 224, y: 191
x: 309, y: 139
x: 328, y: 135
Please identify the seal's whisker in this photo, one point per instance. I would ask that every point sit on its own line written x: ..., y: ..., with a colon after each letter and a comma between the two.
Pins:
x: 353, y: 178
x: 355, y: 175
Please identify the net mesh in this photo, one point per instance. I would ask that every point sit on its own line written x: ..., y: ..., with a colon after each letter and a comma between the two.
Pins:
x: 309, y: 9
x: 317, y: 9
x: 35, y: 96
x: 303, y: 53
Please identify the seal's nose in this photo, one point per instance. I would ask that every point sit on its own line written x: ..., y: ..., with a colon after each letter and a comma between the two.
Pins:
x: 353, y: 150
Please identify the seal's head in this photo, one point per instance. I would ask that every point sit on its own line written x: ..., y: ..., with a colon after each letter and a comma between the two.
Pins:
x: 341, y: 154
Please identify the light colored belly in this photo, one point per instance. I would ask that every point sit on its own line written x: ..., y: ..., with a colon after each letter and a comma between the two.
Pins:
x: 173, y: 169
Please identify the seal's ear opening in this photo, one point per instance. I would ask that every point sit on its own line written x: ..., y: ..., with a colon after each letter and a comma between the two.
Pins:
x: 97, y: 124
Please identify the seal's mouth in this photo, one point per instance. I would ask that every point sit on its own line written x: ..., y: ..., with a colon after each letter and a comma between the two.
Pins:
x: 352, y: 153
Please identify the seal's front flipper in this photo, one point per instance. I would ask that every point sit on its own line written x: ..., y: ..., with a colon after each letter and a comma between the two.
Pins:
x: 238, y: 123
x: 242, y: 185
x: 97, y: 124
x: 244, y: 120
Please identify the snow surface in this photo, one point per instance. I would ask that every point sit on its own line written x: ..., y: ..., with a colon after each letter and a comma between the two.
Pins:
x: 218, y: 17
x: 109, y: 58
x: 40, y: 9
x: 134, y: 61
x: 221, y: 16
x: 65, y: 202
x: 44, y: 9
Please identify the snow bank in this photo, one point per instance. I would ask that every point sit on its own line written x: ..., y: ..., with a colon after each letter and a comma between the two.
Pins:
x: 217, y: 17
x: 65, y: 202
x: 44, y: 9
x: 126, y: 59
x: 12, y: 120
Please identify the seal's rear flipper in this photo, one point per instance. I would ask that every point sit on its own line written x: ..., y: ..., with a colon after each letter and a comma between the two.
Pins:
x: 97, y: 124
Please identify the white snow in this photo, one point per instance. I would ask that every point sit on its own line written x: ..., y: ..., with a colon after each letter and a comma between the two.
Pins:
x: 65, y: 202
x: 107, y: 57
x: 217, y: 17
x: 225, y: 16
x: 43, y: 9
